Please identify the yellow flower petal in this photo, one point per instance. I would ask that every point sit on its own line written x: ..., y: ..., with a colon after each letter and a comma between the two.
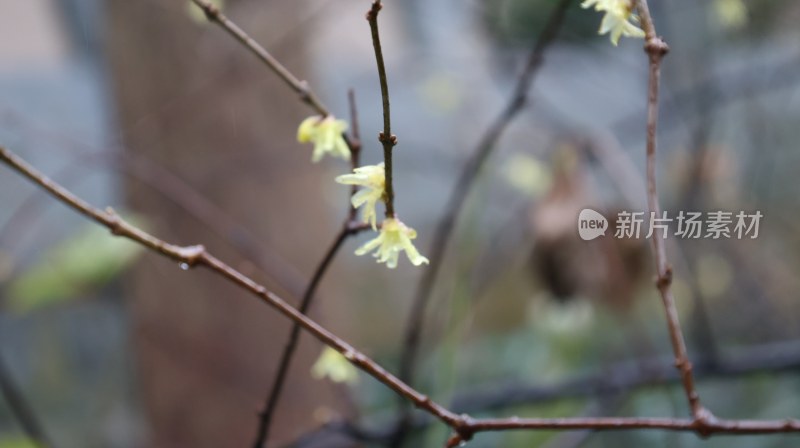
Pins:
x: 372, y: 180
x: 618, y: 20
x: 370, y: 245
x: 307, y: 129
x: 331, y: 364
x: 327, y: 135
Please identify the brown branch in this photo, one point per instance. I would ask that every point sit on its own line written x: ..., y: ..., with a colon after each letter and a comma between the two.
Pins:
x: 387, y: 139
x: 703, y: 428
x: 486, y: 145
x: 195, y: 256
x: 656, y: 49
x: 262, y: 434
x: 470, y: 427
x: 300, y: 87
x: 612, y: 380
x: 147, y: 171
x: 464, y: 425
x: 21, y: 409
x: 278, y: 272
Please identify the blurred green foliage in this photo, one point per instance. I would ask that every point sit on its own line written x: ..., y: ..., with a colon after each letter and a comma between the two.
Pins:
x: 17, y: 442
x: 86, y: 260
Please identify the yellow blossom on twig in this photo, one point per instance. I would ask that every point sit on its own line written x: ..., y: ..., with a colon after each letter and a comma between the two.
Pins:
x: 394, y: 238
x: 326, y: 134
x: 619, y: 19
x: 333, y: 365
x: 372, y: 180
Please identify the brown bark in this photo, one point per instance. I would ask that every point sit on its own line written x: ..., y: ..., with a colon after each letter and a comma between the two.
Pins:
x: 193, y: 100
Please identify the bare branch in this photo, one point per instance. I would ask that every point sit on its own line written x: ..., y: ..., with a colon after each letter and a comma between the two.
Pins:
x: 464, y: 425
x: 387, y: 139
x: 300, y: 87
x: 608, y: 381
x: 656, y: 49
x: 193, y: 256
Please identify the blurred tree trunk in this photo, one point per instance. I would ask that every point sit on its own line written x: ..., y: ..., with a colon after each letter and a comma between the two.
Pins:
x: 191, y: 99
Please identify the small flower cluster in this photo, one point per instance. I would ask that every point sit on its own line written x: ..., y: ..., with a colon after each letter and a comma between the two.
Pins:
x: 619, y: 19
x: 326, y: 133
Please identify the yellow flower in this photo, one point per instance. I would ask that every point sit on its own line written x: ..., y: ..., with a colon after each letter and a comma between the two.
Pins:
x: 394, y: 238
x: 372, y: 180
x: 326, y: 134
x: 619, y: 19
x: 732, y: 14
x: 333, y: 365
x: 528, y: 174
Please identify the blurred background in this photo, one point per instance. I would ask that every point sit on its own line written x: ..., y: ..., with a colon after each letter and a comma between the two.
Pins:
x: 143, y: 106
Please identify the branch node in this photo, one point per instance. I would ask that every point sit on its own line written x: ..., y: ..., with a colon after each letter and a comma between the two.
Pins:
x: 211, y: 11
x: 683, y: 364
x: 114, y: 222
x: 664, y: 280
x: 372, y: 14
x: 462, y: 431
x: 455, y: 440
x: 392, y: 139
x: 464, y: 425
x: 192, y: 255
x: 656, y: 47
x: 704, y: 422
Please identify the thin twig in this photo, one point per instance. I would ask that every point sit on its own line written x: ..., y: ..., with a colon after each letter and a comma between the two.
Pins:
x: 612, y: 380
x: 262, y: 434
x: 349, y: 228
x: 21, y: 410
x: 486, y: 145
x: 656, y: 49
x: 464, y: 425
x: 387, y: 139
x: 144, y: 169
x: 713, y: 426
x: 300, y: 87
x: 472, y: 426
